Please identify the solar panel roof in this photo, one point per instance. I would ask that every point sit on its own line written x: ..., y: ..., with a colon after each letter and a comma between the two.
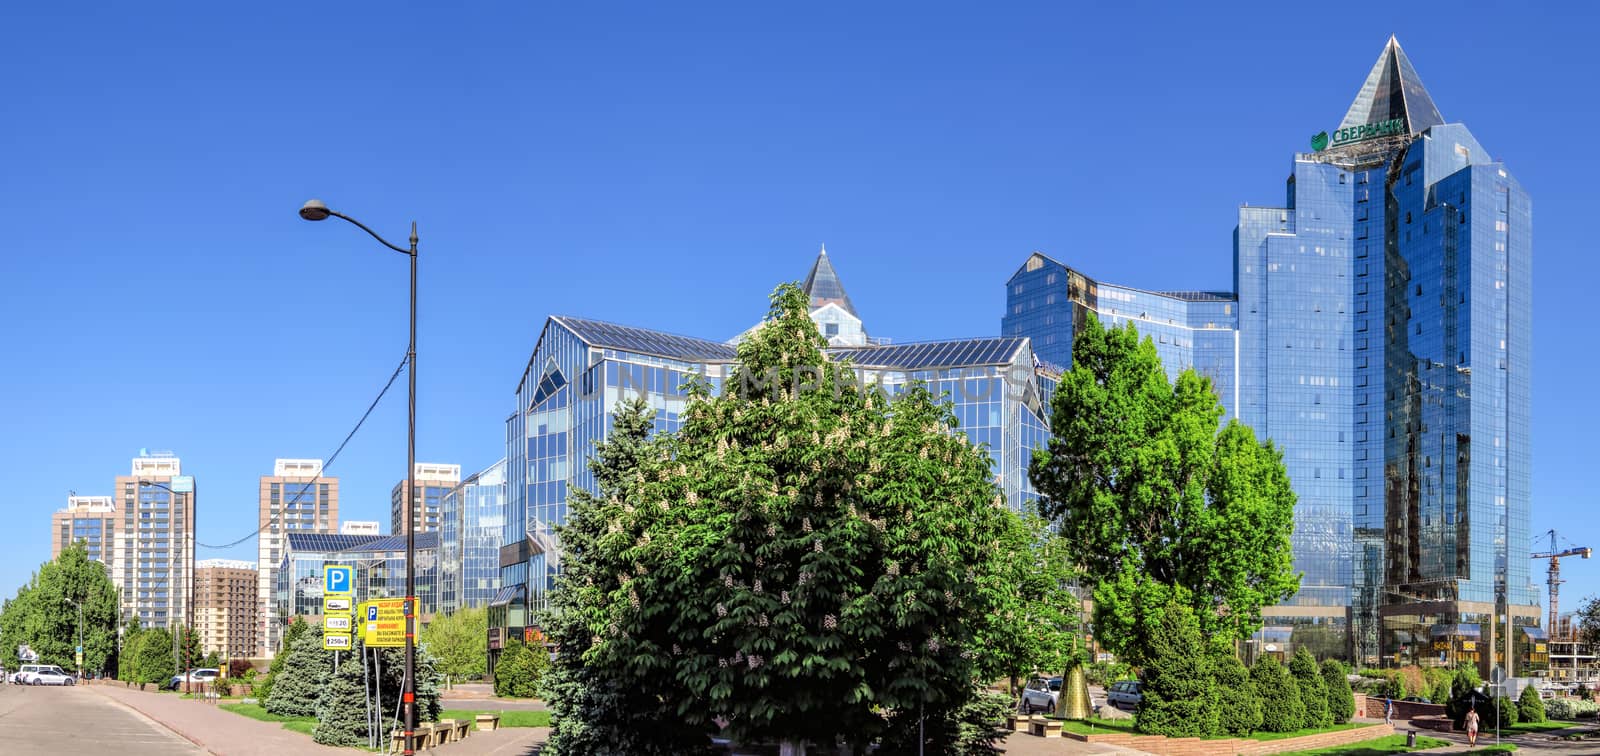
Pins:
x: 644, y: 341
x: 929, y: 355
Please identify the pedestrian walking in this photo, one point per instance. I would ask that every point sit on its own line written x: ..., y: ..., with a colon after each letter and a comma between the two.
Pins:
x: 1388, y: 710
x: 1472, y: 726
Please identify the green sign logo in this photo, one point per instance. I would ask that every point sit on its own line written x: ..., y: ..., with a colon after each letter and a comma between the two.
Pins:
x: 1353, y: 134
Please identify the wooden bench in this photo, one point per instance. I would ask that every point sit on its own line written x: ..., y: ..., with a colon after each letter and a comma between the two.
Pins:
x: 1044, y: 727
x: 1016, y: 722
x: 488, y: 722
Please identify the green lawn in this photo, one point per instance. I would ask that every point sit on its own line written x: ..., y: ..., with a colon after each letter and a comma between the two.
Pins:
x: 1297, y: 733
x: 257, y: 711
x: 1376, y: 747
x: 507, y: 718
x: 1538, y: 726
x: 1098, y: 725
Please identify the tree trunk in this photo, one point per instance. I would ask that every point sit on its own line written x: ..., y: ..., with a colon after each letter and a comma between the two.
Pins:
x: 791, y: 748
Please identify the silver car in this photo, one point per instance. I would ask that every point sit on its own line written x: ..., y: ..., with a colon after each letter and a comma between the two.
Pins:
x: 1041, y: 694
x: 1125, y: 694
x: 51, y: 675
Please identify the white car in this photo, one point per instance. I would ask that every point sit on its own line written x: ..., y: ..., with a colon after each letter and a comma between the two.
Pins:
x: 51, y: 675
x: 1041, y: 694
x: 20, y: 677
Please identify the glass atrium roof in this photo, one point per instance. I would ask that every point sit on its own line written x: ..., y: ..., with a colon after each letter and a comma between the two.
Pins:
x: 929, y: 355
x: 334, y: 542
x: 823, y: 286
x: 644, y: 341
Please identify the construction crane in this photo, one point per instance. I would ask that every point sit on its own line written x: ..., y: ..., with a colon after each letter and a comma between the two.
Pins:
x: 1555, y: 580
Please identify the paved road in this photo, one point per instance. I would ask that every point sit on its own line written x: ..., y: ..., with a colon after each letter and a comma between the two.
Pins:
x: 74, y: 720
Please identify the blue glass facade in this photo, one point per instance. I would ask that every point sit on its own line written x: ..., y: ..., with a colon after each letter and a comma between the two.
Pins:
x: 472, y: 520
x: 581, y: 369
x: 1380, y: 337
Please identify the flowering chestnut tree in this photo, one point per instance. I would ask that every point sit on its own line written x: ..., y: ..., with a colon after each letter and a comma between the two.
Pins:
x: 802, y: 560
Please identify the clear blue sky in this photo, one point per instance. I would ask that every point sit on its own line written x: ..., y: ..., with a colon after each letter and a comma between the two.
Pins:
x: 663, y: 165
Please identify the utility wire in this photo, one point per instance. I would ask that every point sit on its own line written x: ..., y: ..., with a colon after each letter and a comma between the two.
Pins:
x: 278, y: 519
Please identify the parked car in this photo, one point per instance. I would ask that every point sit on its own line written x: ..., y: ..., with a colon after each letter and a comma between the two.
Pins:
x: 1125, y: 694
x: 195, y: 676
x: 1416, y: 699
x: 51, y: 675
x: 1041, y: 694
x: 20, y: 677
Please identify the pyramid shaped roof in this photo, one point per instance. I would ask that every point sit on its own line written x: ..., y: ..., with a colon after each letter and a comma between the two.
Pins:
x: 823, y: 287
x: 1393, y: 91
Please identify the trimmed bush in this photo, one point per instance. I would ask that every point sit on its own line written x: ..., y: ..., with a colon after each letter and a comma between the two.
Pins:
x: 1238, y: 708
x: 1177, y: 684
x: 1313, y: 692
x: 520, y: 668
x: 1281, y: 709
x: 1341, y: 701
x: 1530, y: 707
x: 1505, y: 708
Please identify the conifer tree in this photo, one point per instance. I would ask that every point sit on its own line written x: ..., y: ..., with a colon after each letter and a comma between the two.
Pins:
x: 1341, y: 700
x: 305, y: 672
x: 1281, y: 709
x: 154, y: 664
x: 1238, y: 707
x: 1178, y: 692
x: 342, y: 707
x: 1313, y: 691
x: 1530, y: 707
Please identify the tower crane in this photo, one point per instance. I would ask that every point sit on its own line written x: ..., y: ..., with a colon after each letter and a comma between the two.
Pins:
x: 1555, y: 580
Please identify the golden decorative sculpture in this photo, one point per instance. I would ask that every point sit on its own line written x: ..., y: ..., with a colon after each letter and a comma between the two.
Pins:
x: 1074, y: 693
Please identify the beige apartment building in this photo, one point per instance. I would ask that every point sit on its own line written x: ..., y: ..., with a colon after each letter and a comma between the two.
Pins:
x: 152, y: 560
x: 295, y: 498
x: 433, y: 482
x: 91, y: 519
x: 225, y: 607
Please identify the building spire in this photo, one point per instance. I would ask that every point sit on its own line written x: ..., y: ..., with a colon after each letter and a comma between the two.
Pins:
x: 1393, y: 91
x: 823, y: 287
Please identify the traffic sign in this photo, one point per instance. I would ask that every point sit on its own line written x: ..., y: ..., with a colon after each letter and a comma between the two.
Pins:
x: 1497, y: 675
x: 332, y: 622
x: 386, y: 623
x: 336, y: 605
x: 336, y: 642
x: 338, y: 579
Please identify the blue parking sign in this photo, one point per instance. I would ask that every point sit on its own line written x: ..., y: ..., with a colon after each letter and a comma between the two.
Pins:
x: 338, y: 579
x: 372, y: 614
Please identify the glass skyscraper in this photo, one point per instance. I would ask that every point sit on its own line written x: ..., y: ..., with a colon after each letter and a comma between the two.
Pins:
x: 472, y: 516
x: 582, y: 368
x: 1380, y: 329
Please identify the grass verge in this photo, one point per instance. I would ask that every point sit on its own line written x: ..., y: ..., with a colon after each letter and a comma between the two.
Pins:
x: 1264, y: 736
x: 507, y: 718
x: 1546, y: 726
x: 1378, y: 747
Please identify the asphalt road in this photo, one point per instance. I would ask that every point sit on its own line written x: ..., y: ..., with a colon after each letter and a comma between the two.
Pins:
x: 72, y: 720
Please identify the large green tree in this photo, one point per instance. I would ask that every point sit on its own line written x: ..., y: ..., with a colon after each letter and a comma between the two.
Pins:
x: 154, y: 662
x: 1033, y: 589
x: 45, y: 616
x: 802, y: 558
x: 1156, y: 501
x: 306, y: 668
x: 457, y: 640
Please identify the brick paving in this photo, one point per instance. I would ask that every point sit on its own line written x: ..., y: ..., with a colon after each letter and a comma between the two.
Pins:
x: 227, y: 734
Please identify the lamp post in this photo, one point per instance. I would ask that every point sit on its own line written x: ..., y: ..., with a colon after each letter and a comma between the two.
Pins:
x: 315, y: 210
x: 78, y: 657
x: 188, y: 602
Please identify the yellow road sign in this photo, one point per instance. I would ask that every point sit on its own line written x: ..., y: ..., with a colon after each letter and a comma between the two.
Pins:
x: 336, y: 641
x: 384, y: 623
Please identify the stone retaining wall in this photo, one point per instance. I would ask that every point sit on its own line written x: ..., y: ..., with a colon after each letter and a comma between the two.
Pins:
x: 1163, y: 746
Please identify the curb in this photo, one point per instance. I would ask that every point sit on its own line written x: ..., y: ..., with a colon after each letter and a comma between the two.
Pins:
x: 164, y: 725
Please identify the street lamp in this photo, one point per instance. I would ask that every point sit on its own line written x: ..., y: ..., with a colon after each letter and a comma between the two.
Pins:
x: 188, y: 500
x: 79, y: 655
x: 315, y: 210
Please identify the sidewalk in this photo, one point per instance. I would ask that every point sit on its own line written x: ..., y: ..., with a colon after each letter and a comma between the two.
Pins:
x: 227, y: 734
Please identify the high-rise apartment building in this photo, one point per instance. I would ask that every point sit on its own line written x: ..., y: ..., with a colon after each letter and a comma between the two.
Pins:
x: 470, y: 522
x: 91, y: 519
x: 433, y: 481
x: 295, y: 498
x: 225, y: 607
x: 1379, y: 334
x: 153, y: 559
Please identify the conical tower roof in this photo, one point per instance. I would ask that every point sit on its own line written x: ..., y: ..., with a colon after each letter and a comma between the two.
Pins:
x: 823, y: 287
x: 1393, y: 91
